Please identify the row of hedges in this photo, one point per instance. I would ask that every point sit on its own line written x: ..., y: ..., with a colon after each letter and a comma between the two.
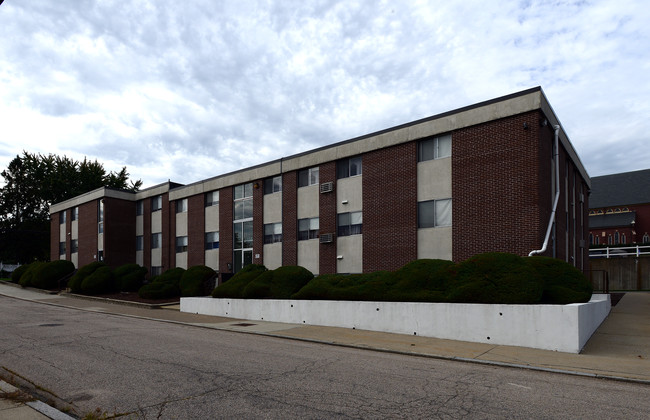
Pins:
x: 485, y: 278
x: 175, y: 282
x: 43, y: 275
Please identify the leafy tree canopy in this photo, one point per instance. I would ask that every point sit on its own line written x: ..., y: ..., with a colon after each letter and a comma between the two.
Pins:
x: 32, y: 183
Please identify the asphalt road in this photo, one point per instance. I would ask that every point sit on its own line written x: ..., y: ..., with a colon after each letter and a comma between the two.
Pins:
x: 129, y: 365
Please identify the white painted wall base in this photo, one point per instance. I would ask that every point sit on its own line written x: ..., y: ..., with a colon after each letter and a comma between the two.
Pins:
x: 550, y: 327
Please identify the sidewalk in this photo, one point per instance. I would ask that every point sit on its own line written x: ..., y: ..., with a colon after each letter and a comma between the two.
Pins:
x: 619, y: 349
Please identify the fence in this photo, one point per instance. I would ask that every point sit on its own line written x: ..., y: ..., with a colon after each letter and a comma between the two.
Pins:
x: 623, y: 271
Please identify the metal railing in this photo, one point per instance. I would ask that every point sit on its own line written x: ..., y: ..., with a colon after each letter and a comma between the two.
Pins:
x: 623, y: 251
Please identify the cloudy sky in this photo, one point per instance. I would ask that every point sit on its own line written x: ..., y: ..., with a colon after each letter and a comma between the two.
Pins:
x: 189, y: 90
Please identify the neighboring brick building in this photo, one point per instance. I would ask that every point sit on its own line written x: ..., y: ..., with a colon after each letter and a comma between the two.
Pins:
x: 619, y: 209
x: 472, y: 180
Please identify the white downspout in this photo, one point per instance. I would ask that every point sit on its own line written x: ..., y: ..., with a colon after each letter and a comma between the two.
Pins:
x: 556, y: 156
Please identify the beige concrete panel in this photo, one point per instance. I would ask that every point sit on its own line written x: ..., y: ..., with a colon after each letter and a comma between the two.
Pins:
x: 212, y: 218
x: 139, y: 257
x: 350, y: 248
x: 308, y: 201
x: 156, y: 257
x: 100, y: 242
x: 273, y: 255
x: 212, y: 259
x: 91, y: 196
x: 308, y: 252
x: 62, y: 232
x: 152, y: 191
x: 273, y: 208
x: 435, y: 243
x: 139, y: 225
x: 434, y: 179
x: 74, y: 229
x: 181, y: 260
x: 75, y: 259
x: 349, y: 194
x: 181, y: 224
x: 156, y: 221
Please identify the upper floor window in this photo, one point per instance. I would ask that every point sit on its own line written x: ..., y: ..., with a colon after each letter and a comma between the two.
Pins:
x: 139, y: 243
x: 100, y: 217
x: 350, y: 223
x: 181, y: 244
x: 434, y: 148
x: 211, y: 240
x: 349, y: 167
x: 75, y: 213
x: 244, y: 191
x: 646, y: 238
x: 243, y: 202
x: 307, y: 177
x: 273, y: 185
x: 308, y: 228
x: 434, y: 213
x: 272, y: 233
x: 181, y: 205
x: 156, y: 240
x: 156, y: 203
x: 61, y: 248
x: 62, y: 217
x: 211, y: 198
x: 139, y: 208
x: 74, y: 246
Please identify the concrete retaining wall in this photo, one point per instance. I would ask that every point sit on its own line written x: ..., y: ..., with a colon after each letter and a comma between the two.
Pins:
x: 551, y: 327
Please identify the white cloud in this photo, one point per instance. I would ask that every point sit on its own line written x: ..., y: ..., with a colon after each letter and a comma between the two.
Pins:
x: 190, y: 90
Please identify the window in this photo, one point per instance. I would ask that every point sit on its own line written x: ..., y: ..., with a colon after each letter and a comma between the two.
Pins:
x: 609, y: 240
x: 62, y: 217
x: 434, y: 148
x: 181, y: 205
x: 273, y: 185
x: 139, y: 243
x: 616, y: 238
x: 243, y: 191
x: 434, y: 213
x: 243, y: 202
x: 139, y: 208
x: 61, y: 248
x: 591, y: 239
x: 349, y: 223
x: 646, y: 238
x: 181, y: 244
x: 156, y: 270
x: 596, y: 240
x: 308, y: 228
x: 242, y: 226
x: 212, y: 240
x: 272, y: 233
x: 100, y: 255
x: 349, y: 167
x: 100, y: 217
x: 75, y: 213
x: 156, y: 203
x: 74, y: 246
x: 211, y: 198
x: 623, y: 239
x: 156, y: 240
x: 307, y: 177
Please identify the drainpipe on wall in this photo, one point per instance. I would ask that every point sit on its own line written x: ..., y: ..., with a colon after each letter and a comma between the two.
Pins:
x: 556, y: 157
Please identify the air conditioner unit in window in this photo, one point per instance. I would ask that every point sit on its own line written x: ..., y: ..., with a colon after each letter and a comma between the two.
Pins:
x: 326, y: 187
x: 326, y: 238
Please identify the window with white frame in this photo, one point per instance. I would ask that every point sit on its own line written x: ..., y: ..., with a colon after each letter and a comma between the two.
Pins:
x: 434, y: 148
x: 308, y: 228
x: 272, y: 233
x: 211, y: 198
x: 139, y: 243
x: 242, y: 226
x: 349, y: 223
x: 181, y: 244
x: 434, y: 213
x: 349, y: 167
x: 273, y: 185
x: 181, y: 205
x: 307, y: 177
x: 211, y: 240
x: 100, y: 217
x: 156, y: 240
x: 156, y: 203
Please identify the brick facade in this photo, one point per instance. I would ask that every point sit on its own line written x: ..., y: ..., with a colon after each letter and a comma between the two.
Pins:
x: 119, y: 240
x: 225, y: 230
x: 327, y: 215
x: 88, y: 232
x: 54, y: 237
x: 196, y: 230
x: 258, y: 222
x: 390, y: 207
x: 290, y: 218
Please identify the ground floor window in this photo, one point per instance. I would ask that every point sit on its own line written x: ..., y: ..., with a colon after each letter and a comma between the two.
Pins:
x: 211, y: 240
x: 350, y: 223
x: 181, y: 244
x: 74, y: 246
x: 434, y: 213
x: 308, y: 228
x: 242, y: 244
x: 61, y: 248
x: 272, y: 233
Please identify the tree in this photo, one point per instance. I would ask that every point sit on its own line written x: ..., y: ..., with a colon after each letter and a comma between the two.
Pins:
x: 32, y: 183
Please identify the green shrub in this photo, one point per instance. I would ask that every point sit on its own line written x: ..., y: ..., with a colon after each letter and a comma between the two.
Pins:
x: 129, y: 277
x: 563, y: 283
x: 74, y: 284
x: 370, y: 286
x: 495, y: 278
x: 28, y: 278
x: 159, y: 290
x: 99, y: 282
x: 172, y: 276
x: 280, y: 283
x: 195, y: 281
x: 48, y: 275
x: 18, y: 273
x: 234, y: 287
x: 424, y: 280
